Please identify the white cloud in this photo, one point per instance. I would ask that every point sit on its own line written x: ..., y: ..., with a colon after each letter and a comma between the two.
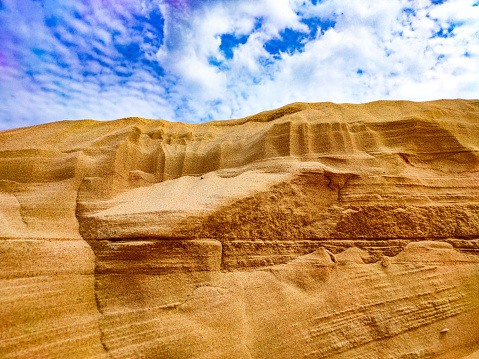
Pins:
x: 374, y: 50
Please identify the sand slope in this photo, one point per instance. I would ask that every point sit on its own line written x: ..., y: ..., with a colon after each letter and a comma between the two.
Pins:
x: 144, y: 238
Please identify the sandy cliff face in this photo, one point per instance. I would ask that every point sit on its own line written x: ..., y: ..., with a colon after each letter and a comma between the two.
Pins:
x: 142, y: 238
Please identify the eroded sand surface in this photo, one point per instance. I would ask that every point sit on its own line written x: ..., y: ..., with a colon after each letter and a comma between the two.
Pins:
x: 310, y: 231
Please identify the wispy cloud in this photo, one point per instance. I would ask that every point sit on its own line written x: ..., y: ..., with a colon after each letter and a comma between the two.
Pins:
x: 194, y: 60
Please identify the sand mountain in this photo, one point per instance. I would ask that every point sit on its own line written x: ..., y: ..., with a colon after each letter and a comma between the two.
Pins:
x: 311, y: 231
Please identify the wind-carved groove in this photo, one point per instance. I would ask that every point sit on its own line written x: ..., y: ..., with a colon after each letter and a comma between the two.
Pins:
x: 95, y: 280
x: 330, y: 181
x: 337, y: 181
x: 405, y: 158
x: 100, y: 311
x: 20, y: 210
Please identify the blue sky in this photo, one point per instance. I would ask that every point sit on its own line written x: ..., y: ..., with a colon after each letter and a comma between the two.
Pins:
x: 202, y: 60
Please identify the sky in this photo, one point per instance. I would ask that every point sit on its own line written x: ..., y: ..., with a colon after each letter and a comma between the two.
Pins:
x: 201, y: 60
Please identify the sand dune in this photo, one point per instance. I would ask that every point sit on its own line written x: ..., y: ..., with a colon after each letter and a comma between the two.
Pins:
x: 311, y: 231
